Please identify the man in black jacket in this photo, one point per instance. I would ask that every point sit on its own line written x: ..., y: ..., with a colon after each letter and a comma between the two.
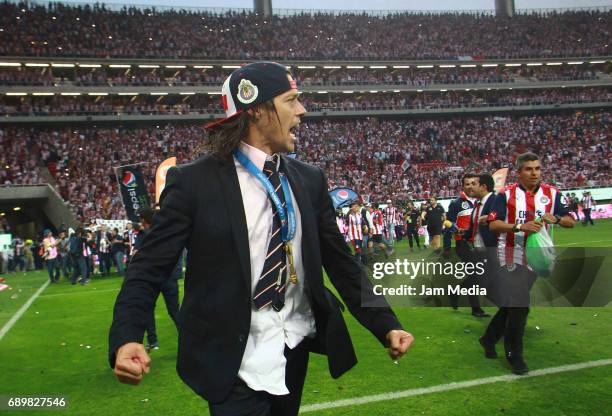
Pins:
x: 258, y: 227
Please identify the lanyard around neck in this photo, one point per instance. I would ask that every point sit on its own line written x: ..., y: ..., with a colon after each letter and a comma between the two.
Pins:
x: 288, y: 221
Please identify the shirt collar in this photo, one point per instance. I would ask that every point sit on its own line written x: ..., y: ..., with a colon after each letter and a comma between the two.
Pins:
x: 535, y: 191
x: 257, y: 156
x: 485, y: 198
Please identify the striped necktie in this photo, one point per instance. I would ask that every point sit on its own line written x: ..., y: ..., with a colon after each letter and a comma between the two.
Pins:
x: 270, y: 288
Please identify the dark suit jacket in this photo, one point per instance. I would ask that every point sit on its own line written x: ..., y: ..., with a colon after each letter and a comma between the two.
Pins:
x: 202, y: 210
x: 488, y: 237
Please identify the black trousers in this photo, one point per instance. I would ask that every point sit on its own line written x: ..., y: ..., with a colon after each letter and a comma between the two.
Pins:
x: 510, y: 291
x: 413, y: 232
x: 465, y: 254
x: 244, y: 401
x: 170, y: 292
x: 587, y: 216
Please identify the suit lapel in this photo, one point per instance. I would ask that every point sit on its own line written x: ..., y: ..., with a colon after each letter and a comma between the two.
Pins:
x: 235, y: 208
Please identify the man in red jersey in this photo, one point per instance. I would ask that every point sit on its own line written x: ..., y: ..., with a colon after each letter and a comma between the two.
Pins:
x: 513, y: 217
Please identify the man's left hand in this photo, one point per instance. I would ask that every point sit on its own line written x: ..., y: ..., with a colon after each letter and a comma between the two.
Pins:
x: 549, y: 218
x: 399, y: 342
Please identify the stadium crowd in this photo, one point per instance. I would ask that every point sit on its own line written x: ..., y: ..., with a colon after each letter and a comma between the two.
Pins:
x: 109, y: 77
x: 387, y: 159
x: 58, y: 29
x: 211, y: 104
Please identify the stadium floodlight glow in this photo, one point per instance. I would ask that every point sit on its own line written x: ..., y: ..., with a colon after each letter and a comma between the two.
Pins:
x: 59, y: 65
x: 354, y: 67
x: 348, y: 92
x: 97, y: 93
x: 186, y: 93
x: 447, y: 66
x: 444, y: 90
x: 597, y: 62
x: 158, y: 93
x: 148, y: 66
x: 213, y: 93
x: 468, y: 66
x: 396, y: 90
x: 36, y: 64
x: 42, y: 94
x: 128, y: 93
x: 306, y: 67
x: 401, y: 66
x: 378, y: 66
x: 176, y: 66
x: 554, y: 63
x: 119, y: 66
x: 489, y: 65
x: 70, y: 93
x: 90, y: 65
x: 534, y: 64
x: 17, y: 209
x: 513, y: 64
x: 331, y: 67
x: 10, y: 64
x: 575, y: 63
x: 16, y: 94
x: 321, y: 92
x: 203, y: 66
x: 230, y: 66
x: 419, y: 90
x: 373, y: 91
x: 425, y: 66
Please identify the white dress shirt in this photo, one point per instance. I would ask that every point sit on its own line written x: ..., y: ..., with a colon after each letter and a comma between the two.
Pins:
x: 263, y: 363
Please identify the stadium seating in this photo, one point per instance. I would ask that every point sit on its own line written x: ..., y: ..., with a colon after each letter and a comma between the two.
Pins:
x: 575, y: 146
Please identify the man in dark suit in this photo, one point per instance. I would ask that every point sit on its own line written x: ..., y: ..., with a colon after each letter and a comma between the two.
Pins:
x: 484, y: 192
x: 460, y: 211
x: 258, y: 228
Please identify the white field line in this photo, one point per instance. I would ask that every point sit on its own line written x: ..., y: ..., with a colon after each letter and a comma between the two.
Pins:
x: 357, y: 401
x: 22, y: 310
x: 77, y: 292
x: 587, y: 242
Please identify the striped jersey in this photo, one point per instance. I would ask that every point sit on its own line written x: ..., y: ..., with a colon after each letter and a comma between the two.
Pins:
x: 390, y: 215
x: 354, y: 227
x: 515, y: 205
x: 587, y: 202
x: 377, y: 220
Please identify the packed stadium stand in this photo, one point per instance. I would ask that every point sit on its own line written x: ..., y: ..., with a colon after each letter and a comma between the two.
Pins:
x: 417, y: 98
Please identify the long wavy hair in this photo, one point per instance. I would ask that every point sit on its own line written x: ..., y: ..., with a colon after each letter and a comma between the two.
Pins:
x: 225, y: 138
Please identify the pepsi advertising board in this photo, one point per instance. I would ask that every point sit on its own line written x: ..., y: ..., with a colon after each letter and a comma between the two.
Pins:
x: 133, y: 190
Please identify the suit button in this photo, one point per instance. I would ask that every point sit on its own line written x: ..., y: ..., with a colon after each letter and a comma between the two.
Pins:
x: 241, y: 338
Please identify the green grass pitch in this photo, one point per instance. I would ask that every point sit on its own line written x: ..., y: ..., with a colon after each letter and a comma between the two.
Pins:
x: 46, y: 353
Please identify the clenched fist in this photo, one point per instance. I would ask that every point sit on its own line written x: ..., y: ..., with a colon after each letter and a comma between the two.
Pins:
x: 132, y: 363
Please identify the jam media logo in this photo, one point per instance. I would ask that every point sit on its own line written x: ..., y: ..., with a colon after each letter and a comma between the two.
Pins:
x: 129, y: 180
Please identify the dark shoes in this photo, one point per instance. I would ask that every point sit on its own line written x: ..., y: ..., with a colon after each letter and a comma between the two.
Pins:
x: 480, y: 313
x: 517, y: 365
x: 152, y: 346
x: 489, y: 349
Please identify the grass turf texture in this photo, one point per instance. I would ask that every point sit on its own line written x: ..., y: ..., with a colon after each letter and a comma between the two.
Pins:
x: 34, y: 361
